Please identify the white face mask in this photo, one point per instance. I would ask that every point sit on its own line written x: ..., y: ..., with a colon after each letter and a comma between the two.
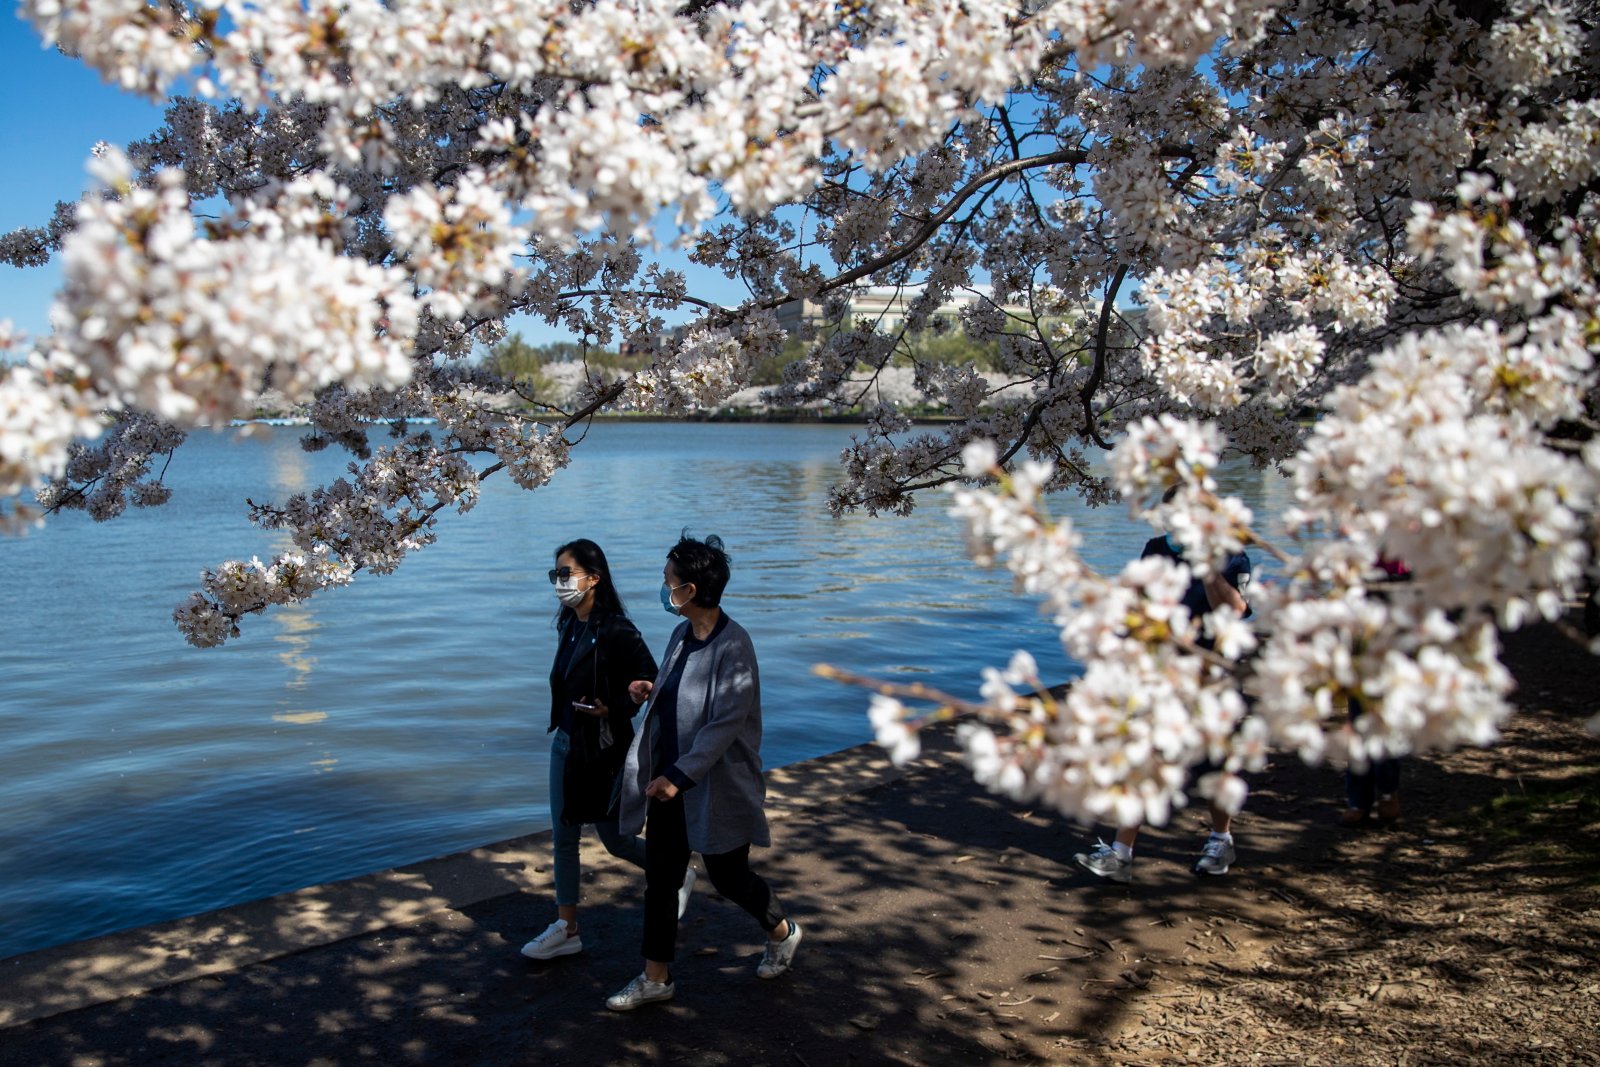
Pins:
x: 569, y: 594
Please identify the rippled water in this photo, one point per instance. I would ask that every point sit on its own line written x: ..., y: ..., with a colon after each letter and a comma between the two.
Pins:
x: 404, y: 717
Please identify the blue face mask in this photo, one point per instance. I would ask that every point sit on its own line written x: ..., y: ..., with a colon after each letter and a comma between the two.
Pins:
x: 666, y: 598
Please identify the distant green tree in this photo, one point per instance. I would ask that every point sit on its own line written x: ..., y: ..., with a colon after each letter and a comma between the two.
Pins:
x: 571, y: 352
x: 513, y: 358
x: 769, y: 371
x: 516, y: 359
x: 926, y: 346
x: 949, y: 347
x: 620, y: 363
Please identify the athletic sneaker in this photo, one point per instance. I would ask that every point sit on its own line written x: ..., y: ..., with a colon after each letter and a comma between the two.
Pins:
x: 1105, y: 862
x: 779, y: 956
x: 1216, y: 857
x: 641, y: 991
x: 684, y: 891
x: 555, y: 941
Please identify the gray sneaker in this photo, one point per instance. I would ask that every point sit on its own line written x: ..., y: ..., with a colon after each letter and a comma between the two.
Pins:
x: 779, y: 956
x: 641, y: 991
x: 1216, y: 857
x: 1104, y: 862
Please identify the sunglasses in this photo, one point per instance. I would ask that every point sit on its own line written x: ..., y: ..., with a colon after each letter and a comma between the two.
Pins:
x: 561, y: 574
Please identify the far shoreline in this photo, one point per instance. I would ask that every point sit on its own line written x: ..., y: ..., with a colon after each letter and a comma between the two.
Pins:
x: 783, y: 418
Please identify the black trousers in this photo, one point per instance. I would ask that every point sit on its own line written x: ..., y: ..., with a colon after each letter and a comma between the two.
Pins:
x: 666, y: 860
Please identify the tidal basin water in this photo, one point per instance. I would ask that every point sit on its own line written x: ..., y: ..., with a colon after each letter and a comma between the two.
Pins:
x: 404, y: 717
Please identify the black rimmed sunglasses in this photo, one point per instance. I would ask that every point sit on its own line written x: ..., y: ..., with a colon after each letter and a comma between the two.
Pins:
x: 561, y: 574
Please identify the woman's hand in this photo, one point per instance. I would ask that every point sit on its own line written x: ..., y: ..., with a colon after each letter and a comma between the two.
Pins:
x: 640, y: 691
x: 660, y: 788
x: 592, y: 706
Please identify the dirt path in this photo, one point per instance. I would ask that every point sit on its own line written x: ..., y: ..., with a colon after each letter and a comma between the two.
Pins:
x: 1469, y: 933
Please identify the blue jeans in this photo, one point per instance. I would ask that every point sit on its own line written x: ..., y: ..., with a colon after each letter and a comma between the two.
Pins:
x: 566, y: 837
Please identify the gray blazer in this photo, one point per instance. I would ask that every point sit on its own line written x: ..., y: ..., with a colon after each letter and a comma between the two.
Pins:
x: 719, y: 745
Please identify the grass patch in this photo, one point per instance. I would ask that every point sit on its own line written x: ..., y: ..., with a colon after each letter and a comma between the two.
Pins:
x: 1556, y: 823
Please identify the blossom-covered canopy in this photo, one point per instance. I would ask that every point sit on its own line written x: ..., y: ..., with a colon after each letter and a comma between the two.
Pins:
x: 1352, y: 238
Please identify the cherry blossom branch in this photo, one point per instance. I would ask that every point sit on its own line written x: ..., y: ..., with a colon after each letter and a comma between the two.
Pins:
x: 939, y: 218
x: 1097, y: 374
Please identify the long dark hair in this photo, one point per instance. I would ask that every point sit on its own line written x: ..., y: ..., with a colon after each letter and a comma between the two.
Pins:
x: 587, y: 555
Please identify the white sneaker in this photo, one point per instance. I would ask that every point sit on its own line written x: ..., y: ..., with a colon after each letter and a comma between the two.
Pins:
x: 555, y: 941
x: 685, y: 890
x: 1105, y: 862
x: 779, y: 956
x: 641, y: 991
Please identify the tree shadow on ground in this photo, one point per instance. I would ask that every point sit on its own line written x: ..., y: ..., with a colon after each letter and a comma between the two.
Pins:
x: 1464, y: 933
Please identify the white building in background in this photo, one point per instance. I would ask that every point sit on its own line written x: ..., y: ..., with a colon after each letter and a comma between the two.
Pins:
x: 885, y: 306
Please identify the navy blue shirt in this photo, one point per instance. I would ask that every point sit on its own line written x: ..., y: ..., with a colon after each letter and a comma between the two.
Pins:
x: 1236, y: 572
x: 664, y: 706
x: 574, y: 635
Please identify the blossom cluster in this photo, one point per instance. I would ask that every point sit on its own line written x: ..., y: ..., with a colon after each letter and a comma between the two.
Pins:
x: 531, y: 457
x: 1437, y: 456
x: 460, y: 239
x: 1422, y: 682
x: 196, y: 330
x: 367, y: 523
x: 709, y: 365
x: 1157, y: 695
x: 1283, y: 301
x: 104, y: 476
x: 211, y: 615
x: 44, y: 411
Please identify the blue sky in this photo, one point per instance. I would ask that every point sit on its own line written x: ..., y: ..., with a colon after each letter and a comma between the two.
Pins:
x: 57, y: 109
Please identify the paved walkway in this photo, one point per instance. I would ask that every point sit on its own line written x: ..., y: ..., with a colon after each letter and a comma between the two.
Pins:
x: 942, y: 926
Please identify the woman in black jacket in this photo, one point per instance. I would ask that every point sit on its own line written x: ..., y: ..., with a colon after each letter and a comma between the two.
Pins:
x: 599, y: 653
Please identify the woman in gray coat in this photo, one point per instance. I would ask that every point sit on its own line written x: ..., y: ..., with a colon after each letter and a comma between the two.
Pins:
x: 693, y: 772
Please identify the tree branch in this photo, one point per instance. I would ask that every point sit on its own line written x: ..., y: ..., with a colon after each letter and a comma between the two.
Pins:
x: 1074, y: 156
x: 1097, y: 375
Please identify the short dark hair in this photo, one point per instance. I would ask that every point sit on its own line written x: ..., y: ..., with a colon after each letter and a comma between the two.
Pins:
x: 704, y: 563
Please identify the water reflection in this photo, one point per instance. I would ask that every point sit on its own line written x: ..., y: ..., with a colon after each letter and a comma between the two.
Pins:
x: 295, y: 622
x: 300, y: 718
